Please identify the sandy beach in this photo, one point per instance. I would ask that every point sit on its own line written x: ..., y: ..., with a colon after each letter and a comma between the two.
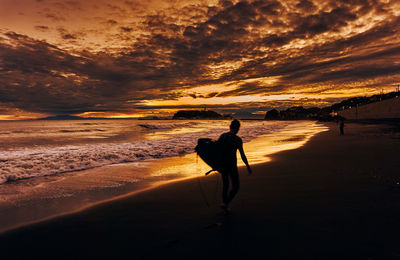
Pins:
x: 337, y: 197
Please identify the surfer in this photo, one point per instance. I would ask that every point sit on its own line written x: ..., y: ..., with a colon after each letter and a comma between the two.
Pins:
x: 229, y: 144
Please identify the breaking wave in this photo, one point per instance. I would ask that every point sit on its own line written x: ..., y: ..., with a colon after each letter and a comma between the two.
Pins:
x: 47, y: 160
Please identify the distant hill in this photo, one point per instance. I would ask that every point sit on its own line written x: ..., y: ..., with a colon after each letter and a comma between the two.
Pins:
x: 198, y: 114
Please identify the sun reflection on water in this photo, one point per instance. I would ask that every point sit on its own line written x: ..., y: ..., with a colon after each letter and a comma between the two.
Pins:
x: 257, y: 151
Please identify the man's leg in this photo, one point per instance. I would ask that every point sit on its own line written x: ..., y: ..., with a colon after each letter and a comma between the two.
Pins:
x: 225, y: 187
x: 235, y: 184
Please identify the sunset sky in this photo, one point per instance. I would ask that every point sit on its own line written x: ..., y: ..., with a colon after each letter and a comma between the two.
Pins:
x: 139, y: 58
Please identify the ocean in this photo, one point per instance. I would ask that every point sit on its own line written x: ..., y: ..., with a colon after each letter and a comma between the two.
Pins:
x: 62, y: 166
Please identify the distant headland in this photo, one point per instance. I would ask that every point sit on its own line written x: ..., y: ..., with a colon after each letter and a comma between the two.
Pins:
x: 199, y: 114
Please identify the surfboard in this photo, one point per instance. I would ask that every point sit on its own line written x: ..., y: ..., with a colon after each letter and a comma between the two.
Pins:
x: 208, y: 151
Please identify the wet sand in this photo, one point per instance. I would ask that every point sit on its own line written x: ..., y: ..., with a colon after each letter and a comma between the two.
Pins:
x: 36, y: 199
x: 337, y: 197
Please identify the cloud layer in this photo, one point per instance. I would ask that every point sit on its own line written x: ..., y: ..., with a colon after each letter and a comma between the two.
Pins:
x: 129, y: 54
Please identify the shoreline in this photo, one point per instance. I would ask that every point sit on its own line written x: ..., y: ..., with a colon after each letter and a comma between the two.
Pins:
x: 334, y: 198
x: 58, y: 202
x: 89, y: 206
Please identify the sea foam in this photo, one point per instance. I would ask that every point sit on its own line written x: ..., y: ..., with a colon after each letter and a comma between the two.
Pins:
x: 31, y: 162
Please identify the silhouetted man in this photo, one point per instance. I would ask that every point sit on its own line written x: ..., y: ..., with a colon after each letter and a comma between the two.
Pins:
x: 341, y: 126
x: 229, y: 143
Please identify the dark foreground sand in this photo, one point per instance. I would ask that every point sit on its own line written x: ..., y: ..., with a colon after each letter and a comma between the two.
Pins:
x: 337, y: 197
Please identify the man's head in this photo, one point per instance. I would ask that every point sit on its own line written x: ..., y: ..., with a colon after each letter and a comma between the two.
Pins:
x: 235, y: 125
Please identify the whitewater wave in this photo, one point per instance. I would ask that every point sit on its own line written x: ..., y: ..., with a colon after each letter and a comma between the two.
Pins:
x: 32, y: 162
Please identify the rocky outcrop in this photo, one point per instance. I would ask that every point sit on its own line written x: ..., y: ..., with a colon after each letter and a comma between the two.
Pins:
x: 273, y: 114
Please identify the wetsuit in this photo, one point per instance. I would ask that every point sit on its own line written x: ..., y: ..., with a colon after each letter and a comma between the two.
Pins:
x: 229, y: 144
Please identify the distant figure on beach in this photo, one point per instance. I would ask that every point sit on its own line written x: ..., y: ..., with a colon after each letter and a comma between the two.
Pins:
x: 229, y: 144
x: 341, y: 126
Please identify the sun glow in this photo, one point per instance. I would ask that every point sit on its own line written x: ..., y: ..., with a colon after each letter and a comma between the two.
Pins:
x: 110, y: 115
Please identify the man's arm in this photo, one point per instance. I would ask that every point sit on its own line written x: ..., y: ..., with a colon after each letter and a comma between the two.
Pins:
x: 244, y: 158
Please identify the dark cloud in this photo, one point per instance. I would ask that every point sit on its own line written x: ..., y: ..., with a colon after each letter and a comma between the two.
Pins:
x: 39, y: 77
x: 225, y: 36
x: 212, y: 94
x: 323, y: 22
x: 41, y: 28
x: 344, y: 56
x: 306, y: 6
x: 126, y: 29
